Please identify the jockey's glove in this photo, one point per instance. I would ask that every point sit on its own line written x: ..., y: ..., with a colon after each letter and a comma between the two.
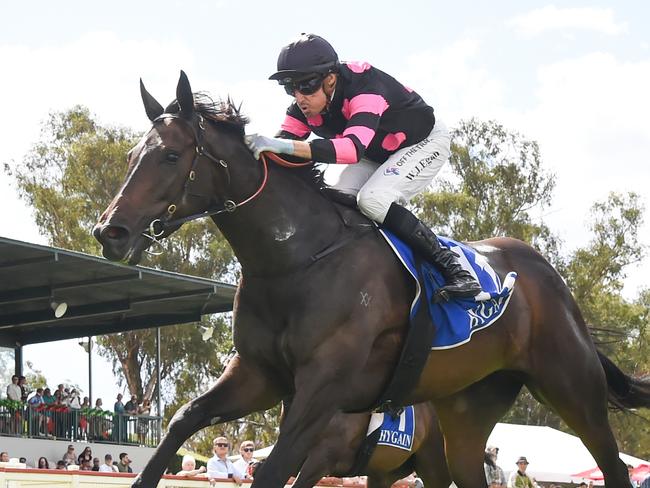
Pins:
x: 257, y: 144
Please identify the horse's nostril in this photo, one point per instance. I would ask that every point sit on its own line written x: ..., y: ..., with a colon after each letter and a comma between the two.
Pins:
x: 114, y: 233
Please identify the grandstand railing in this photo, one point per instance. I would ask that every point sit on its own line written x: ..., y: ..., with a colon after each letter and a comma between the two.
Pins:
x: 81, y: 425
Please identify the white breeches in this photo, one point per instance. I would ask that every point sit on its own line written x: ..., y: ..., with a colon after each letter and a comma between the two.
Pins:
x: 404, y: 174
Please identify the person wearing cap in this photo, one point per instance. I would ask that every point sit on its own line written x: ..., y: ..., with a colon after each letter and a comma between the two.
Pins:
x: 519, y: 478
x: 384, y: 132
x: 494, y: 475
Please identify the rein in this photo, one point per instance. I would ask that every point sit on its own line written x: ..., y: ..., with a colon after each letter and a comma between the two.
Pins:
x: 157, y: 227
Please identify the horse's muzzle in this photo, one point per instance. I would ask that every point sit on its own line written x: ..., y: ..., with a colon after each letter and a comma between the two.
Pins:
x: 114, y: 240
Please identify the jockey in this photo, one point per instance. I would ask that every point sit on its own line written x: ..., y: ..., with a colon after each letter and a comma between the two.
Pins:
x: 383, y: 131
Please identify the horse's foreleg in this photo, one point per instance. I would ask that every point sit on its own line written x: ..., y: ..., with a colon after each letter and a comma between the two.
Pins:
x: 311, y: 410
x: 240, y: 390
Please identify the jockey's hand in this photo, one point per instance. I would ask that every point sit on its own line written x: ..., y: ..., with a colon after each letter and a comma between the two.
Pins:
x: 257, y: 144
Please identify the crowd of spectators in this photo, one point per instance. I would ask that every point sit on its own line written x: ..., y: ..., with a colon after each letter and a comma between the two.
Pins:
x: 73, y: 462
x: 64, y: 414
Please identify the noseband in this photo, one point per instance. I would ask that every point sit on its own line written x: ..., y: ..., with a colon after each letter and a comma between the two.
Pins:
x: 157, y: 227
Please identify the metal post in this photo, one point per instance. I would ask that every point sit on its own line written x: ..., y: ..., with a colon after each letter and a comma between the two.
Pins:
x: 90, y: 371
x: 18, y: 359
x: 158, y: 402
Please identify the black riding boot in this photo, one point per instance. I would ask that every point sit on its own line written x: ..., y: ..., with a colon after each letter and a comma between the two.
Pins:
x: 459, y: 282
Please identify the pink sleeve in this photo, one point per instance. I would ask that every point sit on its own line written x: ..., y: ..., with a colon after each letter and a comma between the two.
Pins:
x: 294, y: 126
x: 346, y: 151
x: 369, y: 103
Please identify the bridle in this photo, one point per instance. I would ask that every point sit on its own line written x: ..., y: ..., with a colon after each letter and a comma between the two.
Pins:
x: 158, y: 226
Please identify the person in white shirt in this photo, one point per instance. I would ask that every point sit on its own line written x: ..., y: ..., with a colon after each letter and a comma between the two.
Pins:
x: 108, y: 466
x: 246, y: 450
x: 189, y: 467
x: 219, y: 466
x: 13, y: 390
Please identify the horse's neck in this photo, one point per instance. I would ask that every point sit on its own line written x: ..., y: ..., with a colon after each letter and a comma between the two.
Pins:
x: 282, y: 228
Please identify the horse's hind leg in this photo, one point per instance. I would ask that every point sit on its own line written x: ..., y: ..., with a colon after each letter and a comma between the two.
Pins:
x: 240, y: 390
x: 467, y: 419
x: 577, y: 391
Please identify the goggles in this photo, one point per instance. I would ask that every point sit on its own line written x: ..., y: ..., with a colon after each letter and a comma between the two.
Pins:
x: 306, y: 86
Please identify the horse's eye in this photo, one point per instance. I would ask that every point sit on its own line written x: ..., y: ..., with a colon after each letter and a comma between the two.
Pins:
x: 171, y: 157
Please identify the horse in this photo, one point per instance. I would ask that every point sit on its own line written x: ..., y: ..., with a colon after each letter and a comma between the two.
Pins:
x: 337, y: 450
x: 322, y: 307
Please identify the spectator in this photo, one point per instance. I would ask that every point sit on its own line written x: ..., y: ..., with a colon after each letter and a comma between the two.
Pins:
x: 118, y: 408
x: 74, y: 400
x: 48, y: 398
x: 37, y: 399
x: 131, y: 406
x: 24, y: 391
x: 4, y: 457
x: 14, y: 393
x: 23, y: 460
x: 86, y: 455
x: 108, y: 466
x: 493, y: 473
x: 123, y: 466
x: 60, y: 465
x: 143, y: 423
x: 13, y: 390
x: 119, y: 432
x: 645, y: 483
x: 630, y: 470
x: 98, y: 404
x: 246, y: 450
x: 188, y: 467
x: 95, y: 464
x: 86, y: 403
x: 519, y: 478
x: 70, y: 457
x: 87, y: 465
x: 219, y: 466
x: 36, y: 415
x: 43, y: 463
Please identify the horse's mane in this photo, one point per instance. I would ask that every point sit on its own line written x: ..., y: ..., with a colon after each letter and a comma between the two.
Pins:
x: 227, y: 115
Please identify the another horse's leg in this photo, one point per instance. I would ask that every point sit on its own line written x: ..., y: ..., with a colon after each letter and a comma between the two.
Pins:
x: 240, y: 390
x: 467, y: 419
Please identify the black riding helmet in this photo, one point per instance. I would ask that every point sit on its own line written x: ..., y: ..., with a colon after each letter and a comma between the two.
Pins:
x: 309, y: 55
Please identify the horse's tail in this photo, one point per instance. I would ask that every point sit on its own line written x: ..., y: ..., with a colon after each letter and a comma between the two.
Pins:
x: 625, y: 392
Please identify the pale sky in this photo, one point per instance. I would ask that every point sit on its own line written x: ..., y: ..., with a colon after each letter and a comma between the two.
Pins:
x: 573, y: 75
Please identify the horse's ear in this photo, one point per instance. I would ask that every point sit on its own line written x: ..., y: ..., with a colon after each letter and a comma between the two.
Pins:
x: 151, y: 106
x: 184, y: 96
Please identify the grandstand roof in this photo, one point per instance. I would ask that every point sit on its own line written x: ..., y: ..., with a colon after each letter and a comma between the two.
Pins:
x: 102, y: 297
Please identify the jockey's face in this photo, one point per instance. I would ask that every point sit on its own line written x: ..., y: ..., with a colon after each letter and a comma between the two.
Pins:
x: 314, y: 104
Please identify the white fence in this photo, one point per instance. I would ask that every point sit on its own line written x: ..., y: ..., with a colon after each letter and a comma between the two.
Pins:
x: 45, y: 478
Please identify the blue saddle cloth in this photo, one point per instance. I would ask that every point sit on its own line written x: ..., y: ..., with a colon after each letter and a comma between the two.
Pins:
x: 456, y: 320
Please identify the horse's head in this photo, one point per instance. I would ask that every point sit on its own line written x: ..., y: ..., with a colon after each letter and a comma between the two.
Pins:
x: 171, y: 172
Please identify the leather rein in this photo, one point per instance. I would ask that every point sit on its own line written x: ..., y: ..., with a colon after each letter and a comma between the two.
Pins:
x: 158, y: 226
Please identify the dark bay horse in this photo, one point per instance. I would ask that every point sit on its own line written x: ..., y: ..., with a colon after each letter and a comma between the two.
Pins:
x: 326, y: 328
x: 337, y: 447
